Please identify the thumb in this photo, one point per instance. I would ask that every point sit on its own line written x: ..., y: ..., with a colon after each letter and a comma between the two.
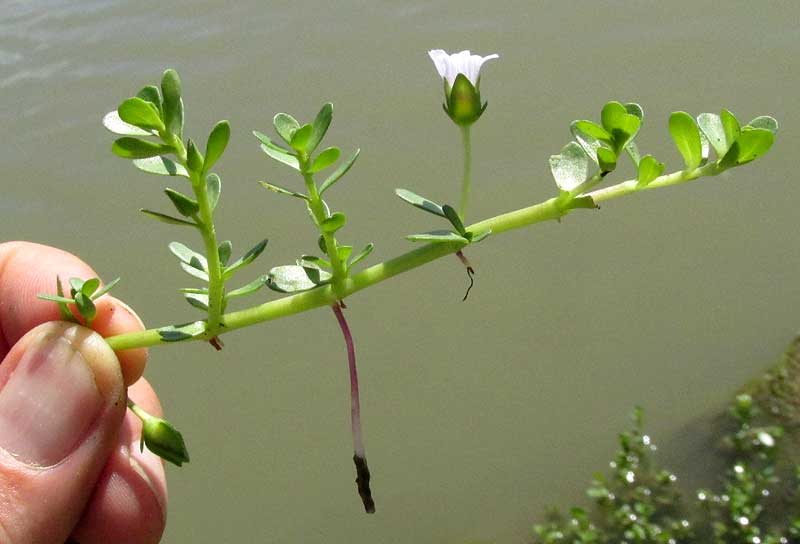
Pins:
x: 62, y: 401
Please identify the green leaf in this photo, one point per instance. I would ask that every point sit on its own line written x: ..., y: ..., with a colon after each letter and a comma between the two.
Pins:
x: 112, y: 122
x: 185, y: 205
x: 711, y: 126
x: 333, y: 223
x: 312, y: 261
x: 420, y: 202
x: 635, y: 109
x: 194, y: 159
x: 280, y: 190
x: 362, y: 254
x: 105, y: 289
x: 63, y: 309
x: 344, y: 253
x: 321, y: 244
x: 54, y: 298
x: 751, y: 144
x: 224, y: 251
x: 590, y: 144
x: 76, y: 284
x: 198, y: 301
x: 216, y: 144
x: 340, y: 171
x: 188, y: 256
x: 173, y: 103
x: 167, y: 218
x: 570, y: 168
x: 161, y: 166
x: 300, y: 137
x: 475, y: 238
x: 686, y: 136
x: 85, y: 307
x: 185, y: 331
x: 134, y: 148
x: 649, y: 169
x: 140, y: 113
x: 90, y: 286
x: 607, y: 159
x: 326, y: 158
x: 594, y: 130
x: 621, y: 125
x: 633, y: 152
x: 292, y: 279
x: 195, y: 272
x: 279, y: 154
x: 250, y: 288
x: 285, y: 125
x: 151, y: 94
x: 766, y: 122
x: 730, y: 125
x: 194, y: 290
x: 320, y: 127
x: 454, y: 219
x: 438, y: 236
x: 251, y: 255
x: 213, y: 187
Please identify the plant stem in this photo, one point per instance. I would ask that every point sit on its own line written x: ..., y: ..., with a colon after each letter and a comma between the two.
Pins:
x: 326, y: 296
x: 216, y: 285
x: 466, y: 182
x: 331, y: 245
x: 359, y: 454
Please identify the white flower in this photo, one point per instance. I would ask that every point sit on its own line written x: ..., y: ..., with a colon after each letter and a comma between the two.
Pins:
x: 449, y: 66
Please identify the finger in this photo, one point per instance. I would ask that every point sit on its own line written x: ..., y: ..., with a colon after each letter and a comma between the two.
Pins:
x: 129, y: 502
x: 62, y: 401
x: 27, y: 269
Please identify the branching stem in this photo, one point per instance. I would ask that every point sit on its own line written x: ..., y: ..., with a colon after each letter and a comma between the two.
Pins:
x: 325, y: 296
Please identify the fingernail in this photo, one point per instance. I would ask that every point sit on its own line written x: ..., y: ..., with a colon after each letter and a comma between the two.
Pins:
x: 48, y: 403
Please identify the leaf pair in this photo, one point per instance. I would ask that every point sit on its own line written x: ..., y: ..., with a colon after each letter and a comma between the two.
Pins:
x: 734, y: 145
x: 460, y: 235
x: 196, y: 265
x: 603, y: 143
x: 152, y: 112
x: 83, y: 294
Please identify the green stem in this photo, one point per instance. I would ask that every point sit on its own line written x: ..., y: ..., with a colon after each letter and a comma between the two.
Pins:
x: 216, y: 284
x: 550, y: 209
x: 331, y: 245
x: 467, y: 181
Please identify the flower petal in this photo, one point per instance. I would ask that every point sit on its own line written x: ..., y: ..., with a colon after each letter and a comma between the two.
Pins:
x: 440, y: 60
x: 463, y: 62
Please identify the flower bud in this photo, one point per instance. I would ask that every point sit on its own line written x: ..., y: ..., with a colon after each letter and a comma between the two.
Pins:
x: 461, y: 75
x: 164, y: 440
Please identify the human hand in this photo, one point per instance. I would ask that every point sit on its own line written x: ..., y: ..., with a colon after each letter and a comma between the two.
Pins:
x: 70, y: 464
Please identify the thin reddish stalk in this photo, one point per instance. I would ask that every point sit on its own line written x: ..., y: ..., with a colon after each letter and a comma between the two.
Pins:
x: 359, y: 454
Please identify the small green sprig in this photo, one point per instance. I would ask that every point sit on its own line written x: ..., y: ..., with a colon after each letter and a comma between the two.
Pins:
x: 83, y: 293
x: 158, y: 113
x: 311, y: 271
x: 585, y: 162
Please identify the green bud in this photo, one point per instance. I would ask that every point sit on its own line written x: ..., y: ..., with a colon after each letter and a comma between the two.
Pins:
x: 463, y: 101
x: 164, y: 440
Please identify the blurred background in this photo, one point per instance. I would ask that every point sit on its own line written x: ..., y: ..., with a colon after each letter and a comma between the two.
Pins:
x: 476, y: 414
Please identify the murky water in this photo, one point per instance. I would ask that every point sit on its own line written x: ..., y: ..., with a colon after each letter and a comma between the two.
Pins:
x: 476, y: 414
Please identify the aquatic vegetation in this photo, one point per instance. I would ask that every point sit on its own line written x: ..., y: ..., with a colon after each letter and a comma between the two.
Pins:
x: 758, y: 499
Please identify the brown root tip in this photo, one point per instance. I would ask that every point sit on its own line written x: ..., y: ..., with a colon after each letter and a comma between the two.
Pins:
x: 217, y: 343
x: 362, y: 482
x: 470, y: 273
